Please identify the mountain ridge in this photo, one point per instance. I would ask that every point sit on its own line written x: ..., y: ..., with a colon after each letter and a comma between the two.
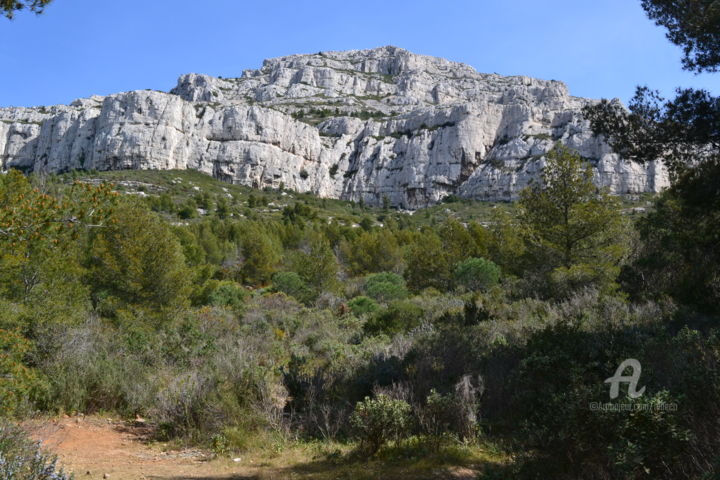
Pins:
x: 357, y: 124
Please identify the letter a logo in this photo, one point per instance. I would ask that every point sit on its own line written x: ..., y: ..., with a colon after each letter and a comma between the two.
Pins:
x: 631, y: 380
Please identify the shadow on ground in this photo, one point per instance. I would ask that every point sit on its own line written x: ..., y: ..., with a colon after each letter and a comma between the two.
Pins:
x: 221, y: 477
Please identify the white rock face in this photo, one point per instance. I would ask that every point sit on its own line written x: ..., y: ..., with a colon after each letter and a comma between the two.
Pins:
x: 357, y: 124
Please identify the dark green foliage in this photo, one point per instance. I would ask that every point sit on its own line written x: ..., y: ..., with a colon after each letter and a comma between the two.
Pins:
x: 222, y: 207
x: 261, y: 255
x: 426, y: 262
x: 203, y: 200
x: 399, y: 316
x: 373, y: 251
x: 683, y: 131
x: 10, y: 7
x: 378, y: 420
x: 385, y: 287
x: 251, y: 201
x: 457, y: 241
x: 437, y: 416
x: 363, y: 305
x: 451, y: 414
x: 19, y: 384
x: 162, y: 203
x: 693, y: 25
x: 42, y: 241
x: 434, y: 252
x: 315, y: 262
x: 565, y: 367
x: 366, y: 223
x: 682, y: 234
x: 367, y: 114
x: 228, y: 294
x: 188, y: 210
x: 679, y: 254
x: 138, y: 260
x: 572, y: 233
x: 292, y: 284
x: 298, y: 212
x: 476, y: 274
x: 540, y: 383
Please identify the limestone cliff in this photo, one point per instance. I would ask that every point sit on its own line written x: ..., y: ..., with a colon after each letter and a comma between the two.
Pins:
x: 355, y: 124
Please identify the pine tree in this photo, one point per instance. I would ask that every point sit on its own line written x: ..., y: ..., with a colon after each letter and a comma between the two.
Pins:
x: 137, y: 259
x: 261, y: 255
x: 573, y: 232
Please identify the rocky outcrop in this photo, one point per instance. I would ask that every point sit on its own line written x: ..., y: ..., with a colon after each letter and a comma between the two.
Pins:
x: 358, y: 124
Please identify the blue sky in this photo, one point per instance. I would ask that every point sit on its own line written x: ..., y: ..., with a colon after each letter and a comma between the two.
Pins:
x: 84, y: 47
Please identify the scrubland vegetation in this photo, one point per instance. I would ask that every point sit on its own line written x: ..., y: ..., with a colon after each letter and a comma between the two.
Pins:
x: 370, y: 343
x: 240, y: 320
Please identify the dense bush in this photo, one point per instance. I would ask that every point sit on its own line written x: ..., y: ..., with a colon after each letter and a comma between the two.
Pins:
x: 363, y: 305
x: 452, y: 414
x: 18, y: 383
x: 261, y: 255
x: 565, y: 366
x: 137, y: 259
x: 378, y: 420
x: 385, y: 287
x: 228, y: 294
x: 476, y: 274
x: 373, y: 251
x: 315, y: 262
x: 678, y: 237
x: 399, y: 316
x: 291, y: 284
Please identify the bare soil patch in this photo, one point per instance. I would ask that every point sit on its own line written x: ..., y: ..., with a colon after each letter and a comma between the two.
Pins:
x: 96, y: 448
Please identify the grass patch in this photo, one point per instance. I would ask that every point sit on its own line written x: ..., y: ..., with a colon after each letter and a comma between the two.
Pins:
x: 326, y: 460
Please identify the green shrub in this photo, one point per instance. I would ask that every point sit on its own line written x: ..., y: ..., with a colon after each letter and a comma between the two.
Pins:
x: 476, y: 274
x: 228, y: 294
x: 188, y: 210
x: 373, y: 251
x: 436, y: 417
x: 378, y: 420
x: 106, y: 374
x: 568, y: 224
x: 18, y: 383
x: 315, y: 262
x: 385, y: 287
x: 399, y: 316
x: 561, y: 374
x: 291, y: 284
x: 261, y: 254
x: 452, y: 414
x: 363, y: 305
x: 138, y: 259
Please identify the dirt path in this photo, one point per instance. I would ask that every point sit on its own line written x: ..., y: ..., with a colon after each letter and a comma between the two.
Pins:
x: 97, y: 448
